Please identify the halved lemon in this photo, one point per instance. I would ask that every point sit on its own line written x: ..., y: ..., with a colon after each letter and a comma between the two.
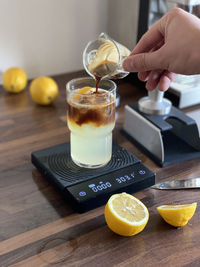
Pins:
x: 126, y: 215
x: 177, y: 215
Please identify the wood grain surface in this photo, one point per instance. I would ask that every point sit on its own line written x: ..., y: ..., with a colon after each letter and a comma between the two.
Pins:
x: 38, y: 228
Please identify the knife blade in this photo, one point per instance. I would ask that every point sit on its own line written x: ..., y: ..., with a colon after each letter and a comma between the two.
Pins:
x: 178, y: 184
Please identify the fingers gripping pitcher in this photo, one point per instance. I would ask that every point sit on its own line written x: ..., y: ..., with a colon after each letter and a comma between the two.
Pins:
x: 91, y: 104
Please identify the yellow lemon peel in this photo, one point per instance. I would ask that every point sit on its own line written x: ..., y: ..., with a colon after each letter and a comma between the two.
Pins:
x: 43, y: 90
x: 14, y: 80
x: 177, y: 215
x: 126, y: 215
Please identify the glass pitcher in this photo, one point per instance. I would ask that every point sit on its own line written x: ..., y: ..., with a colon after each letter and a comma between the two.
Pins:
x: 103, y: 58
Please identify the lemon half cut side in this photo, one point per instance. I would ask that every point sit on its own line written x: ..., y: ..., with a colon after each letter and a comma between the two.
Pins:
x: 177, y: 215
x: 126, y: 215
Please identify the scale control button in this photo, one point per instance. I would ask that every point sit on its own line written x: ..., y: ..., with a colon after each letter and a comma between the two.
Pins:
x: 142, y: 172
x: 82, y: 193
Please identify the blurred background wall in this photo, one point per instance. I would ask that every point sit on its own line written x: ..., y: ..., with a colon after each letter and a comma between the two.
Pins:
x: 123, y: 21
x: 47, y: 37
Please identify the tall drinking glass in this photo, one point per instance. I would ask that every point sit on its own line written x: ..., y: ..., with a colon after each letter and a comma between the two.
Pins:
x: 91, y: 119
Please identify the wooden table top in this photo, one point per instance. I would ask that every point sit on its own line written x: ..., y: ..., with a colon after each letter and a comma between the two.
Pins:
x: 38, y: 228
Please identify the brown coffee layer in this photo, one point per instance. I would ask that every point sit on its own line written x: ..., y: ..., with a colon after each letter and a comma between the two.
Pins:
x: 101, y: 115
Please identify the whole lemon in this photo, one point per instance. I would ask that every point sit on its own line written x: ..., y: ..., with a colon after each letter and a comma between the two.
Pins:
x: 43, y: 90
x: 14, y: 80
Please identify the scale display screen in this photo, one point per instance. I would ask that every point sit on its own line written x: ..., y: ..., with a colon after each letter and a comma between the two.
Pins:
x: 98, y: 190
x: 86, y: 189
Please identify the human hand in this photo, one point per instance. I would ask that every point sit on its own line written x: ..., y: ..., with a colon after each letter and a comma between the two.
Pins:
x: 170, y: 46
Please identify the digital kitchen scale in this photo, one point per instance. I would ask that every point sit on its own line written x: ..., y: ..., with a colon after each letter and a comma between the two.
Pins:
x: 85, y: 189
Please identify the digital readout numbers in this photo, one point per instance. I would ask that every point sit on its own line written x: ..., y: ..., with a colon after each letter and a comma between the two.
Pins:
x: 103, y: 186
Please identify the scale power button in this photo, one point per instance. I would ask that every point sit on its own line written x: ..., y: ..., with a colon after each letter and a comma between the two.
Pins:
x: 142, y: 172
x: 82, y: 193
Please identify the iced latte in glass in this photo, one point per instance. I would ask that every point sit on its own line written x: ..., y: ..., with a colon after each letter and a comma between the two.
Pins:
x: 91, y: 119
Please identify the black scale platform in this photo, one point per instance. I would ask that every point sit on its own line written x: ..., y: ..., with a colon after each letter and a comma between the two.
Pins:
x: 85, y: 189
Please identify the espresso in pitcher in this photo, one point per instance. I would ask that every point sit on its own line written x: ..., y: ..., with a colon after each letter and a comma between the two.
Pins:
x: 105, y: 62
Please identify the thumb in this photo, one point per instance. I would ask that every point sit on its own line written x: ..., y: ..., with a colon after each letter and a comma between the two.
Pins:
x: 143, y: 62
